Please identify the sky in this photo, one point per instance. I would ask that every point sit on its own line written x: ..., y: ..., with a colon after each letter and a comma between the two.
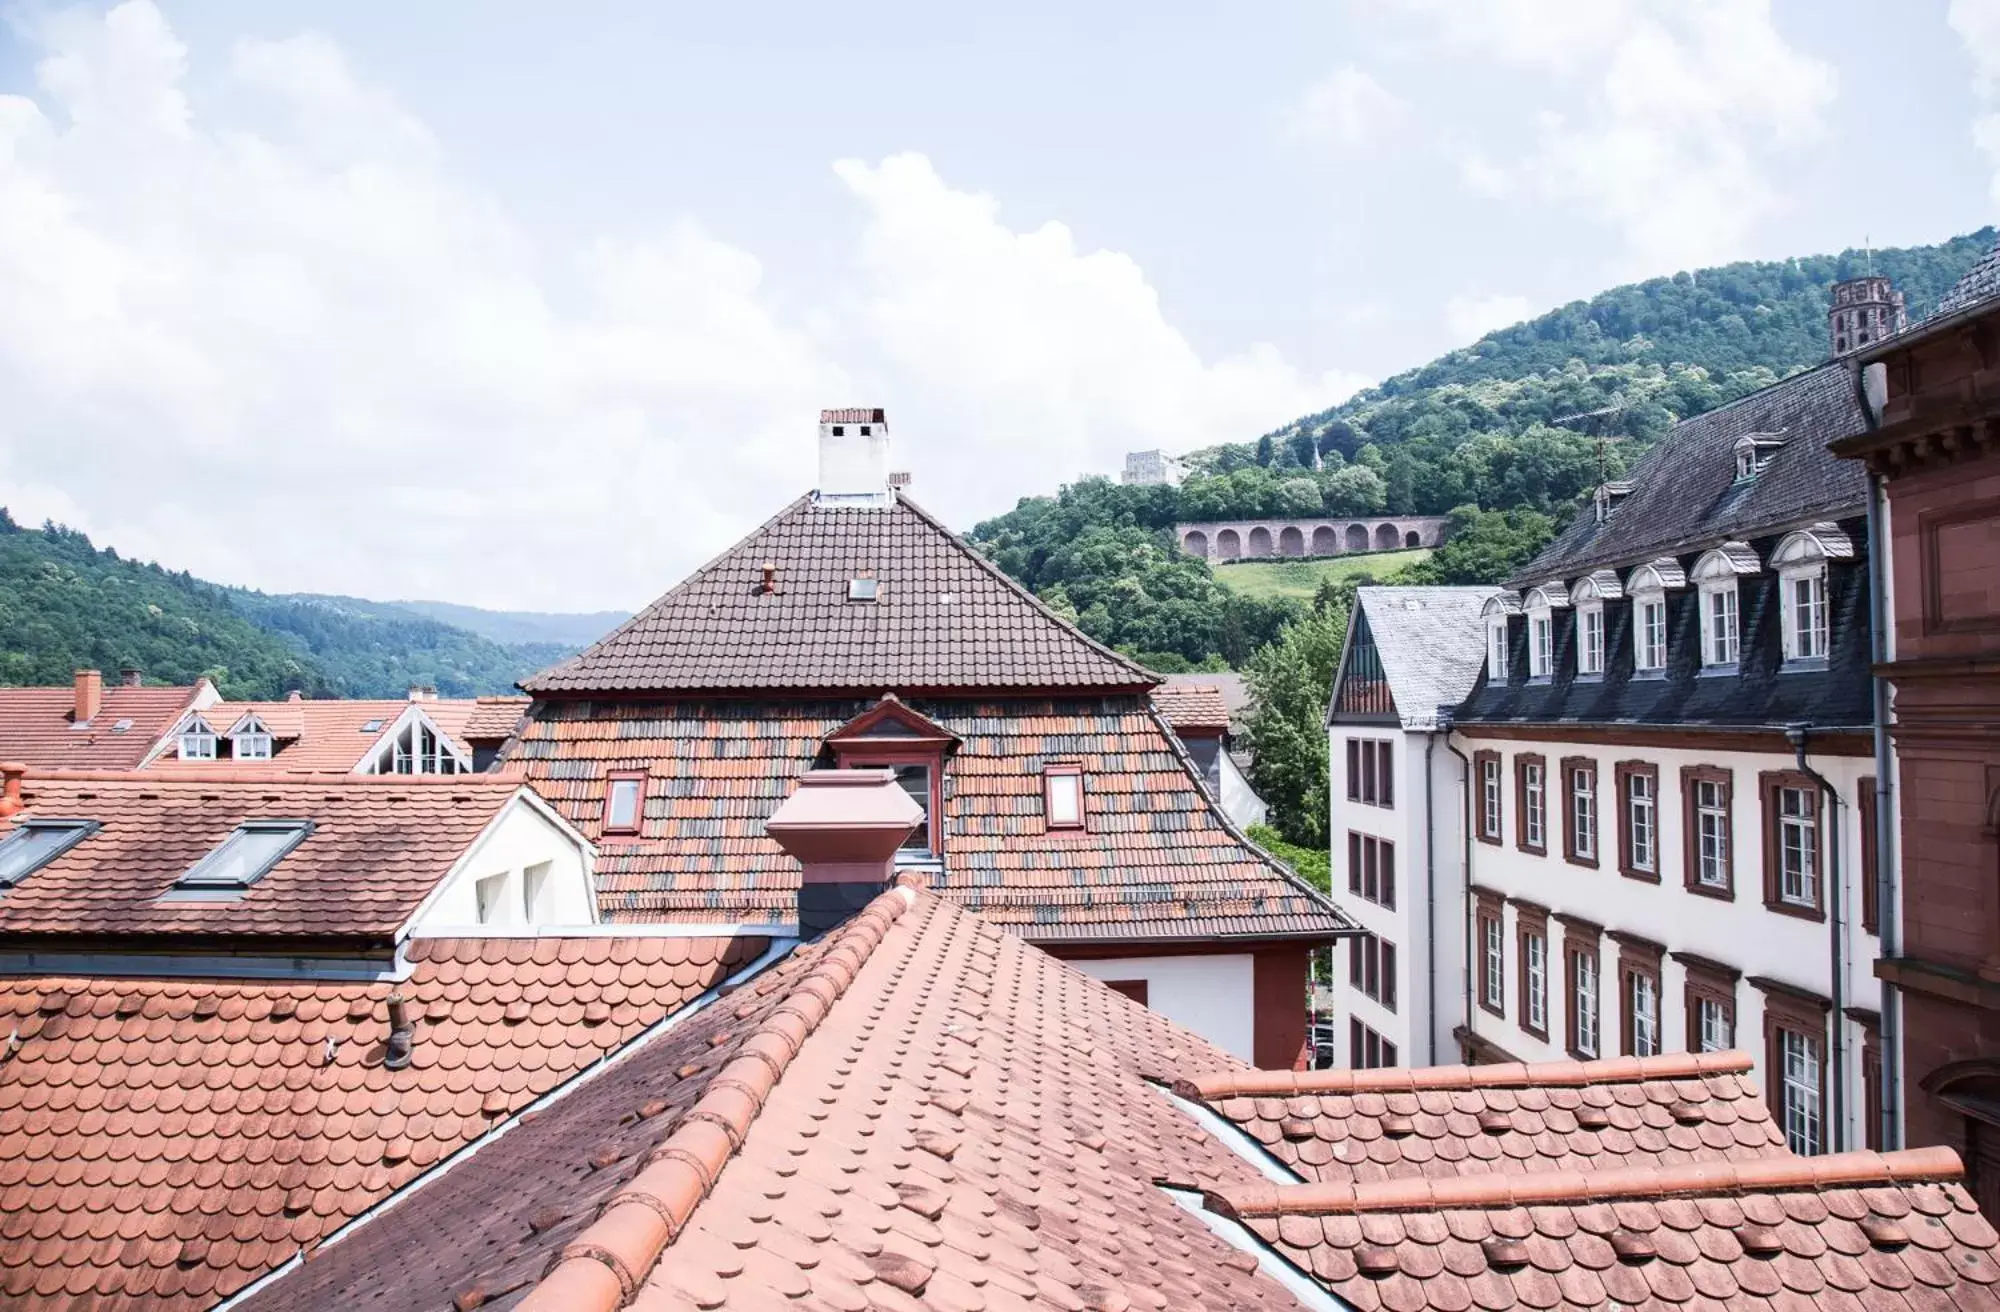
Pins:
x: 533, y: 306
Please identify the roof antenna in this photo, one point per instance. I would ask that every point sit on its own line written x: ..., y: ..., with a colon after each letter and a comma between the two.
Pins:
x: 1868, y: 246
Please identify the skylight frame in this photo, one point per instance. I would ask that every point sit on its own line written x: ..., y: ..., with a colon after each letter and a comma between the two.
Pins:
x: 200, y: 879
x: 77, y: 829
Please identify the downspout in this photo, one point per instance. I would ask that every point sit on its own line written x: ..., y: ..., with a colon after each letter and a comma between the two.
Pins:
x: 1430, y: 904
x: 1888, y: 898
x: 1836, y: 937
x: 1465, y: 916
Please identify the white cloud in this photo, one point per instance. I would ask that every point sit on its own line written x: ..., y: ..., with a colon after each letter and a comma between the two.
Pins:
x: 1687, y: 105
x: 1470, y: 318
x: 1348, y: 107
x: 1977, y: 23
x: 1482, y: 177
x: 295, y: 349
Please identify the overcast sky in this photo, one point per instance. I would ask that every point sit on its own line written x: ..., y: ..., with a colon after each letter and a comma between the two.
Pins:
x: 534, y: 305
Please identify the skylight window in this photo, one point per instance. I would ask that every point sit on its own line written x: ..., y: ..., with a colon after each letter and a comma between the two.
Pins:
x: 123, y: 726
x: 246, y: 856
x: 35, y: 843
x: 863, y: 589
x: 373, y: 726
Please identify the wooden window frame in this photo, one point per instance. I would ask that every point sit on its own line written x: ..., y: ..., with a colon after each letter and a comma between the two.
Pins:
x: 1490, y: 909
x: 1871, y: 1078
x: 1371, y: 779
x: 1800, y: 1012
x: 1480, y: 761
x: 886, y: 753
x: 1360, y: 847
x: 1522, y: 761
x: 1580, y: 939
x: 1532, y: 921
x: 1063, y: 770
x: 1691, y: 830
x: 1359, y: 1038
x: 1871, y: 889
x: 1770, y: 784
x: 1639, y: 957
x: 1571, y: 767
x: 1712, y: 981
x: 611, y: 781
x: 1623, y: 773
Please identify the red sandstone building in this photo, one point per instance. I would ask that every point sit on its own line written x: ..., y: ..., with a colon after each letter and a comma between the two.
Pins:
x: 1933, y: 395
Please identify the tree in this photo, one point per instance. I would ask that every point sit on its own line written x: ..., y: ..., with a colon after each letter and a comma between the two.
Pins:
x: 1266, y: 451
x: 1290, y: 681
x: 1355, y: 490
x: 1298, y: 496
x: 1303, y: 445
x: 1483, y: 546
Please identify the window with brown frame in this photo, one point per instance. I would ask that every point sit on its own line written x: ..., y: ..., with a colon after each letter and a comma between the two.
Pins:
x: 1579, y: 803
x: 1134, y: 989
x: 1640, y: 1031
x: 1871, y: 1079
x: 1795, y: 1069
x: 1371, y: 868
x: 1871, y: 892
x: 1371, y: 968
x: 1583, y: 989
x: 1793, y: 843
x: 1367, y: 1050
x: 624, y: 802
x: 1708, y: 830
x: 1371, y: 778
x: 1710, y: 994
x: 1531, y: 803
x: 1491, y: 928
x: 1531, y: 936
x: 1486, y: 779
x: 1062, y: 796
x: 1638, y: 791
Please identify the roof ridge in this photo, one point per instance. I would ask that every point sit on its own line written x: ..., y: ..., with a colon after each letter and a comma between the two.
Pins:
x: 155, y: 778
x: 1609, y: 1070
x: 603, y: 1267
x: 1008, y: 580
x: 1542, y: 1188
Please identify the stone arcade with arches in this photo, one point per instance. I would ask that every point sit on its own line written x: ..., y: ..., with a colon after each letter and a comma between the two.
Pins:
x: 1262, y: 539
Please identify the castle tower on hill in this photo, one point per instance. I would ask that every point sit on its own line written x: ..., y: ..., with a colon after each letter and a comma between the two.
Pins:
x: 1864, y: 310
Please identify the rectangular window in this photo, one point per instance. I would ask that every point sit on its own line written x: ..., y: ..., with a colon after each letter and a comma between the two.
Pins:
x: 1535, y: 983
x: 1541, y: 659
x: 1791, y: 843
x: 1062, y: 789
x: 250, y: 747
x: 1649, y: 640
x: 1871, y: 891
x: 1580, y: 810
x: 1718, y: 625
x: 1715, y: 1027
x: 247, y: 855
x: 35, y: 843
x: 1590, y: 648
x: 1493, y: 965
x: 1583, y: 1003
x: 1806, y: 622
x: 1531, y: 804
x: 1367, y: 1050
x: 1706, y: 798
x: 1372, y: 968
x: 1496, y: 652
x: 624, y: 802
x: 1371, y: 868
x: 915, y: 780
x: 1642, y: 1012
x: 490, y: 895
x: 198, y: 745
x: 1800, y: 1061
x: 1370, y: 779
x: 1489, y: 796
x: 1711, y: 1005
x: 537, y: 894
x: 1639, y: 820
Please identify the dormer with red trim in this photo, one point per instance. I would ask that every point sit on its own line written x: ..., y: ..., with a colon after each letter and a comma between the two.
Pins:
x: 890, y: 735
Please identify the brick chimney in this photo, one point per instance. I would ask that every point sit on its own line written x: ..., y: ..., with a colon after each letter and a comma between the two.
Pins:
x: 10, y: 788
x: 89, y: 696
x: 854, y: 458
x: 131, y: 676
x: 843, y: 827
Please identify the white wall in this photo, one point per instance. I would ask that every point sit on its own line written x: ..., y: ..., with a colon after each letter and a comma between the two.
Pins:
x: 1239, y: 801
x: 521, y: 837
x: 1740, y: 933
x: 1213, y: 995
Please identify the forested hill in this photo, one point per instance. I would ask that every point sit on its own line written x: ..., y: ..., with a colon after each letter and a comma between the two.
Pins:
x: 67, y: 604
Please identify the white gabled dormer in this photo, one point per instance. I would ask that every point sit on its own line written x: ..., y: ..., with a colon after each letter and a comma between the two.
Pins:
x: 250, y: 739
x: 529, y: 869
x: 415, y: 745
x: 197, y: 738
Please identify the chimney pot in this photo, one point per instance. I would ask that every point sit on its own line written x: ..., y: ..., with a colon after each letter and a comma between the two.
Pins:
x: 843, y: 827
x: 770, y: 584
x: 295, y: 696
x: 423, y: 692
x: 89, y: 696
x: 130, y: 676
x: 402, y: 1038
x: 10, y: 787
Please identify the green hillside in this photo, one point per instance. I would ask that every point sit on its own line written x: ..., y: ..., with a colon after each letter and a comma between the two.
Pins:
x: 1301, y: 580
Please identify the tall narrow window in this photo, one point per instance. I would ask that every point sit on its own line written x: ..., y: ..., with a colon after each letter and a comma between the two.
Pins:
x: 1649, y: 628
x: 1583, y: 1004
x: 1801, y: 1062
x: 1533, y: 805
x: 1535, y: 982
x: 1639, y: 812
x: 1496, y: 651
x: 490, y: 899
x: 1371, y: 868
x: 1063, y: 795
x: 1791, y: 843
x: 1715, y: 1026
x: 624, y: 802
x: 1492, y: 957
x: 1806, y: 627
x: 1719, y: 640
x: 1711, y: 1004
x: 1871, y: 889
x: 1541, y: 644
x: 1642, y: 1013
x: 537, y: 894
x: 1590, y: 645
x: 1706, y: 797
x: 1489, y: 796
x: 1580, y: 814
x: 1370, y: 776
x: 1801, y: 563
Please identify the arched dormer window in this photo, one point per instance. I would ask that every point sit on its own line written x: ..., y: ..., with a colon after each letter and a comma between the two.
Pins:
x: 1715, y: 576
x: 1648, y: 586
x: 197, y: 739
x: 1494, y: 615
x: 250, y: 740
x: 1800, y: 562
x: 1754, y: 452
x: 1587, y: 597
x: 1541, y: 604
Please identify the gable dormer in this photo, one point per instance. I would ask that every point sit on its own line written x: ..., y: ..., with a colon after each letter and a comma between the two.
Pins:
x: 197, y: 738
x: 251, y: 739
x: 891, y: 735
x: 1754, y: 451
x: 415, y: 745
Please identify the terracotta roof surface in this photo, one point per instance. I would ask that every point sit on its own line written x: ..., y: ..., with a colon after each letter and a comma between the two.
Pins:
x: 325, y: 736
x: 494, y: 718
x: 942, y: 617
x: 165, y: 1142
x: 1850, y: 1232
x: 36, y: 729
x: 1356, y: 1126
x: 921, y: 1111
x: 1192, y: 707
x: 378, y: 845
x: 1156, y: 859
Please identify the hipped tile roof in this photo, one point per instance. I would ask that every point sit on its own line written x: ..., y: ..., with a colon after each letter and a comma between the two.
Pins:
x: 923, y: 1113
x: 328, y: 736
x: 1156, y: 859
x: 494, y: 719
x: 378, y: 846
x: 943, y: 618
x: 1192, y: 707
x: 37, y: 728
x: 165, y: 1142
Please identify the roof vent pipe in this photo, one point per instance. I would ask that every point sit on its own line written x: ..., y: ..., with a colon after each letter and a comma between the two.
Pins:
x: 770, y: 583
x: 402, y: 1038
x: 10, y: 787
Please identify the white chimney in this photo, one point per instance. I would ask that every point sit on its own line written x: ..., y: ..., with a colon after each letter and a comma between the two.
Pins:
x: 854, y: 458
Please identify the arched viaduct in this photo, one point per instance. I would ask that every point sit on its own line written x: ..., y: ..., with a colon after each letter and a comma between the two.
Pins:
x: 1262, y: 539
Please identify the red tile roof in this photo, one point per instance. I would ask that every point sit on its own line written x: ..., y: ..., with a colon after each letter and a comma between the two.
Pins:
x: 1851, y: 1231
x: 943, y: 618
x: 922, y: 1111
x: 1156, y: 861
x: 328, y: 736
x: 378, y: 845
x: 1353, y: 1126
x: 165, y: 1142
x: 36, y: 728
x: 1192, y: 707
x: 494, y: 718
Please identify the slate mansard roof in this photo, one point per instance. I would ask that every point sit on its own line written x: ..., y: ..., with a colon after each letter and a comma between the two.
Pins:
x: 1156, y: 859
x: 942, y: 618
x: 1684, y: 491
x: 1429, y: 644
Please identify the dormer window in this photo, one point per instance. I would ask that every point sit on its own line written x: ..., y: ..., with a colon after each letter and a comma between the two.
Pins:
x: 624, y: 802
x: 1801, y: 564
x: 1541, y: 604
x: 416, y: 747
x: 1588, y: 598
x: 245, y: 857
x: 250, y: 740
x: 35, y: 843
x: 197, y: 740
x: 1753, y: 452
x: 1647, y: 586
x: 1715, y: 574
x: 1495, y: 612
